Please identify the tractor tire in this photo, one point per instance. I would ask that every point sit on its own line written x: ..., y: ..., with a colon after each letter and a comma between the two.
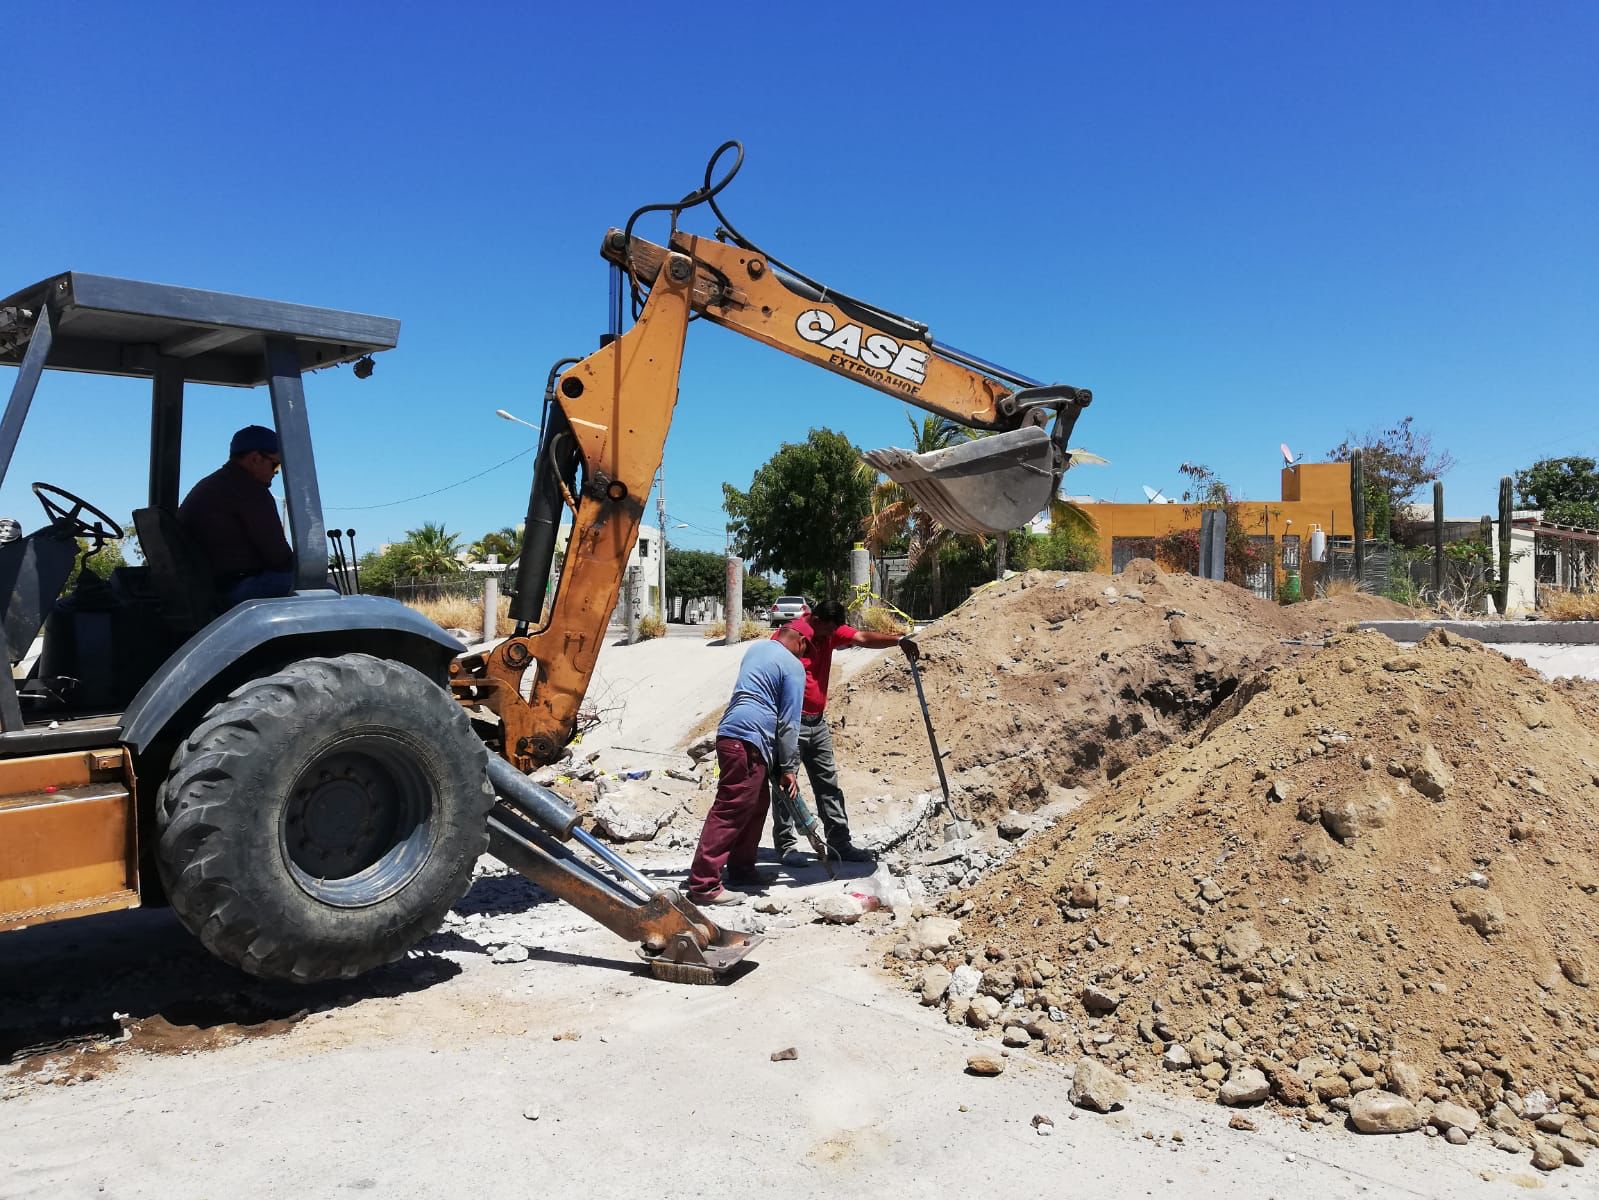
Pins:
x: 321, y: 820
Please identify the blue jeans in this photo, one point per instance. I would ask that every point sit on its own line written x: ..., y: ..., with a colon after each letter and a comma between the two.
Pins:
x: 259, y: 585
x: 816, y: 752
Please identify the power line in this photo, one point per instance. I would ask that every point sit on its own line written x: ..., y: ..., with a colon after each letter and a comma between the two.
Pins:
x: 436, y: 491
x: 691, y: 525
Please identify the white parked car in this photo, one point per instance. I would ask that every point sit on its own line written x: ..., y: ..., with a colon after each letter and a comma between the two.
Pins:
x: 787, y: 608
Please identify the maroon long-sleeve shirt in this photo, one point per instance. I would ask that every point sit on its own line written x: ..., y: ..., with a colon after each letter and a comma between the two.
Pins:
x: 234, y: 522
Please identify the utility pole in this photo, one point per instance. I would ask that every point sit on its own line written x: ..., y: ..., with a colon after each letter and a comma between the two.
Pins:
x: 660, y: 517
x: 860, y: 579
x: 630, y: 590
x: 491, y: 602
x: 735, y: 599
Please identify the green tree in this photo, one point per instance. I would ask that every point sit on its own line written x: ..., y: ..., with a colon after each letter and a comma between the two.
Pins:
x: 1068, y: 546
x: 804, y: 508
x: 1398, y: 462
x: 810, y: 584
x: 380, y: 568
x: 696, y: 573
x: 504, y: 544
x: 1566, y: 489
x: 102, y: 563
x: 759, y: 592
x: 430, y: 550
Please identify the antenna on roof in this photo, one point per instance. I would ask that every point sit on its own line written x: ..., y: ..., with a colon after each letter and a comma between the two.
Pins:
x: 1288, y: 455
x: 1153, y: 495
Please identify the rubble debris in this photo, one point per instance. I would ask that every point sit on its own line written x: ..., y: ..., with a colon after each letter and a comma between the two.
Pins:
x: 838, y: 908
x: 632, y: 811
x: 787, y: 1054
x: 1097, y: 1087
x: 1244, y: 1086
x: 983, y: 1063
x: 1383, y: 1112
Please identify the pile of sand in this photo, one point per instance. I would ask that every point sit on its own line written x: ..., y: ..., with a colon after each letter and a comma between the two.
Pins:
x: 1373, y: 867
x: 1051, y: 680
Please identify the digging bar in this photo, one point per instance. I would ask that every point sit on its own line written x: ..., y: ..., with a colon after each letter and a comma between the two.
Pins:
x: 961, y: 826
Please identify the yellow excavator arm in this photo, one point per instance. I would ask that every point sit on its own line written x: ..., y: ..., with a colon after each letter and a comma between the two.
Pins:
x: 605, y: 430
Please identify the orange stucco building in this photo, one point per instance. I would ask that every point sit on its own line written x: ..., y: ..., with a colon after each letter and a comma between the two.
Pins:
x: 1312, y: 494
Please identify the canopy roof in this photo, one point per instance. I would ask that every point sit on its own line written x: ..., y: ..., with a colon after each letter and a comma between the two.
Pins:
x: 122, y: 327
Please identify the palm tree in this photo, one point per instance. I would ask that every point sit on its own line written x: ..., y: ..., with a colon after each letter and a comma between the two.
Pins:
x: 431, y: 550
x: 504, y: 543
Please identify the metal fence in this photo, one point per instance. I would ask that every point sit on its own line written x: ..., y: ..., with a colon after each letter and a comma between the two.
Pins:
x: 1375, y: 573
x: 425, y: 588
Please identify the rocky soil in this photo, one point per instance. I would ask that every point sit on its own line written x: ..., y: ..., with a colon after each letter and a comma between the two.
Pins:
x: 1364, y: 888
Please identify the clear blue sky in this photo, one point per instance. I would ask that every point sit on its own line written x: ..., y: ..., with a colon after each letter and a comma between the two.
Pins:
x: 1239, y: 224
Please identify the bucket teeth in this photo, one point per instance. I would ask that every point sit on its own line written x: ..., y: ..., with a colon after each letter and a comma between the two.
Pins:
x: 690, y: 973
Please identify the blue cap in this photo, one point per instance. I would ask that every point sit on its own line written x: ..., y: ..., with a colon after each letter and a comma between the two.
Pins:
x: 256, y: 438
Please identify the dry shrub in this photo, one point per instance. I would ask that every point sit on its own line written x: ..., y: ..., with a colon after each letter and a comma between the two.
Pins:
x: 1571, y: 606
x: 875, y: 618
x: 651, y: 626
x: 749, y: 631
x: 461, y: 613
x: 1329, y: 588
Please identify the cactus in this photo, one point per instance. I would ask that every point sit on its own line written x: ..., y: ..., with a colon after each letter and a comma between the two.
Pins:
x: 1437, y: 541
x: 1502, y: 592
x: 1357, y: 502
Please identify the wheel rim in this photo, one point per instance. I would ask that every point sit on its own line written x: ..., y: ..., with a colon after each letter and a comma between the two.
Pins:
x: 359, y: 821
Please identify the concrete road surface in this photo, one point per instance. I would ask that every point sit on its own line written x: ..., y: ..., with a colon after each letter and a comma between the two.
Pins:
x: 520, y: 1051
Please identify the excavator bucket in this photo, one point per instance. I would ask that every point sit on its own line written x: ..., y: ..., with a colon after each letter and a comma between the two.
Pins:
x: 987, y: 485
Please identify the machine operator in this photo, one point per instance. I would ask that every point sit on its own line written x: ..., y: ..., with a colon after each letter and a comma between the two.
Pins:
x: 231, y: 516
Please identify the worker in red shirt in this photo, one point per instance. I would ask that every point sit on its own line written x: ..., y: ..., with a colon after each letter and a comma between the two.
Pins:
x: 825, y: 630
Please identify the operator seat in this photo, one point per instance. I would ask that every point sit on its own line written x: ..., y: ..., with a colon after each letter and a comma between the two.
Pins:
x: 33, y: 570
x: 179, y: 573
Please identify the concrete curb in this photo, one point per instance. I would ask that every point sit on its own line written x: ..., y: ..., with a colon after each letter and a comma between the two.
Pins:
x: 1542, y: 633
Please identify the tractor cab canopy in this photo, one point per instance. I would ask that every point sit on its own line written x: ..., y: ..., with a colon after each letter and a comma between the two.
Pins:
x: 124, y: 327
x: 171, y: 336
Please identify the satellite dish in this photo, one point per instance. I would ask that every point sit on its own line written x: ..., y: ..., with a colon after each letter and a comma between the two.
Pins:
x: 1288, y: 455
x: 1153, y: 495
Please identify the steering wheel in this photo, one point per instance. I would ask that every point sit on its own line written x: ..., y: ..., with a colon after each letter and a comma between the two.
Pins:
x: 80, y: 528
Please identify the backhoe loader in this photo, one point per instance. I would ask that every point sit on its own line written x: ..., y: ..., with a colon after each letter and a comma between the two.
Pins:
x: 309, y: 779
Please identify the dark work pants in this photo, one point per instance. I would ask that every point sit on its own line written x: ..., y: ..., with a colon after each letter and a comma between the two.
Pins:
x: 816, y: 752
x: 260, y: 585
x: 738, y: 814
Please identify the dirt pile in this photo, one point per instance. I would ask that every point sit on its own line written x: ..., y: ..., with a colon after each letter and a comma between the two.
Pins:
x: 1052, y: 680
x: 1373, y: 868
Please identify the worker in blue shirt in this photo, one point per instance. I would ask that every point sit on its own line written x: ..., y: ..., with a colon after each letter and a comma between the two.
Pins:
x: 758, y: 737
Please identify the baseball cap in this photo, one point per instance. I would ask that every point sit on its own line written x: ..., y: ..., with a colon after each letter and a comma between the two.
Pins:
x: 256, y: 438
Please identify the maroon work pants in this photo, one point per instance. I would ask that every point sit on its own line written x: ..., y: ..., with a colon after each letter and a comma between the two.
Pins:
x: 733, y: 826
